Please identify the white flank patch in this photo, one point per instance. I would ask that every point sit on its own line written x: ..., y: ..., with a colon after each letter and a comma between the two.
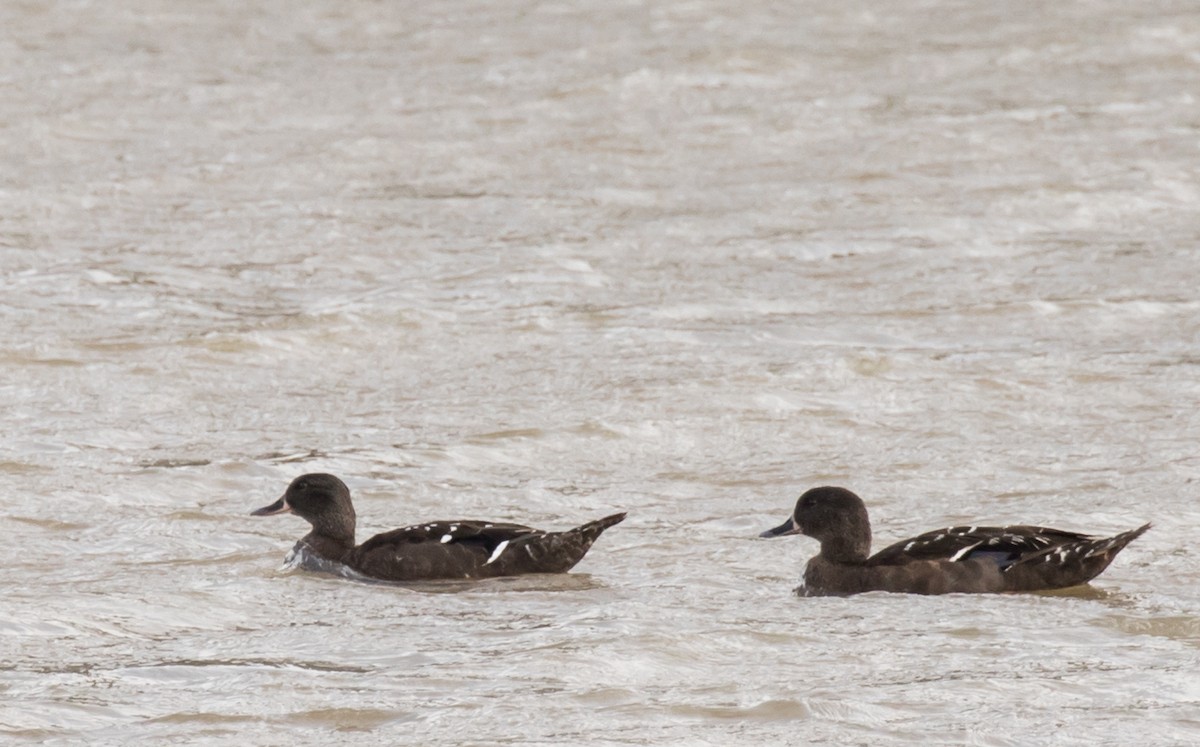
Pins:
x: 496, y: 553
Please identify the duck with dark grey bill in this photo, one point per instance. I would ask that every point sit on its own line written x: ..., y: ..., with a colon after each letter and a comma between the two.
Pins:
x: 434, y: 550
x: 944, y: 561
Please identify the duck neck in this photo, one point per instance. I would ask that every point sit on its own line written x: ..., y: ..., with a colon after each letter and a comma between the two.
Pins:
x: 330, y: 542
x: 847, y: 548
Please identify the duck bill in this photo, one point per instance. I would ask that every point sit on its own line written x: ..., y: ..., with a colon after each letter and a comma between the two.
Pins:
x: 786, y: 528
x: 278, y: 507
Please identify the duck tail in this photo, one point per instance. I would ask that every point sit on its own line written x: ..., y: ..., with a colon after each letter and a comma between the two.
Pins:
x: 558, y: 552
x: 594, y: 529
x: 1107, y: 549
x: 1069, y: 565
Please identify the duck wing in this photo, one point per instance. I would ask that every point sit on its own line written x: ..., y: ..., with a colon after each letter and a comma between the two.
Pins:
x: 1002, y: 545
x: 485, y: 534
x: 436, y: 550
x: 473, y: 549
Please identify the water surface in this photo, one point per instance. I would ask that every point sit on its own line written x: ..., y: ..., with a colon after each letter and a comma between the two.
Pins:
x: 541, y: 262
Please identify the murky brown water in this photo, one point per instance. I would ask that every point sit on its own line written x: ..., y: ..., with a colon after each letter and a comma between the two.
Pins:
x: 544, y: 261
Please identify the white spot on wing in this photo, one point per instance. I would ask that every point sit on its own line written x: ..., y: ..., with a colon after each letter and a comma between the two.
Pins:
x: 958, y: 555
x: 446, y: 538
x: 1101, y: 550
x: 496, y: 553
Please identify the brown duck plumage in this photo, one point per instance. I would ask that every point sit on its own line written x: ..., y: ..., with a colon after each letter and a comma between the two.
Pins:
x: 433, y: 550
x: 955, y: 559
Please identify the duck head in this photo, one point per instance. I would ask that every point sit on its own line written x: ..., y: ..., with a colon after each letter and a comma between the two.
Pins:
x: 835, y: 517
x: 320, y: 499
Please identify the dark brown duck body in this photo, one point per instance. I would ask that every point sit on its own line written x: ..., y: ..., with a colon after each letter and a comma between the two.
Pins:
x: 434, y: 550
x: 956, y: 559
